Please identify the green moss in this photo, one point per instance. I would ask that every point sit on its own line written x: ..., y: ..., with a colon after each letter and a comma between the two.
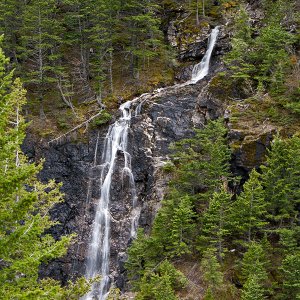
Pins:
x: 62, y: 123
x: 221, y: 87
x: 168, y: 167
x: 104, y: 118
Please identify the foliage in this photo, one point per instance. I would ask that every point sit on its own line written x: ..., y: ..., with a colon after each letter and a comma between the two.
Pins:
x: 174, y: 233
x: 254, y: 272
x: 201, y: 162
x: 249, y: 208
x: 74, y: 47
x: 291, y: 272
x: 281, y: 180
x: 261, y: 62
x: 258, y: 224
x: 104, y: 118
x: 211, y: 269
x: 24, y: 208
x: 216, y: 223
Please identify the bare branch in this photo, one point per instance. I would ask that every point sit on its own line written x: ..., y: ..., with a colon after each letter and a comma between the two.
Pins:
x: 85, y: 123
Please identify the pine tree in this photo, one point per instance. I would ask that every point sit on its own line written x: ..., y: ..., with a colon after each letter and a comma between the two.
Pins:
x: 215, y: 223
x: 202, y: 162
x: 41, y: 35
x: 102, y: 16
x: 280, y: 180
x: 252, y: 289
x: 212, y: 275
x: 174, y: 225
x: 142, y: 36
x: 241, y: 68
x: 182, y: 227
x: 24, y: 208
x: 249, y: 210
x: 11, y: 13
x: 161, y: 283
x: 254, y: 272
x: 291, y: 274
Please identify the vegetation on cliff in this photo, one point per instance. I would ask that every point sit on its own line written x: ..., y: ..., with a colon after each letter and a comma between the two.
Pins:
x: 24, y: 208
x: 76, y: 56
x: 244, y: 242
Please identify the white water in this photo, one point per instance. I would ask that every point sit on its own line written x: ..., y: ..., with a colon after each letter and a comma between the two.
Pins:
x: 116, y: 141
x: 99, y: 249
x: 201, y: 70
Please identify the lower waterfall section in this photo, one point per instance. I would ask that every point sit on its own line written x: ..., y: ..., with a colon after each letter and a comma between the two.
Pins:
x: 98, y: 258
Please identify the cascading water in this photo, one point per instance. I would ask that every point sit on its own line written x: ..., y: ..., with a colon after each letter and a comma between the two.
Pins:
x: 116, y: 141
x: 99, y: 249
x: 201, y: 70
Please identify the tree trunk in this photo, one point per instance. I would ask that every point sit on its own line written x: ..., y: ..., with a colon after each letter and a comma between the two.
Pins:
x: 111, y: 71
x: 41, y: 64
x: 197, y: 13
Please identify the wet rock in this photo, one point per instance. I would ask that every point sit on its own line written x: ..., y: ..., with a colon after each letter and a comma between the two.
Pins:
x: 184, y: 74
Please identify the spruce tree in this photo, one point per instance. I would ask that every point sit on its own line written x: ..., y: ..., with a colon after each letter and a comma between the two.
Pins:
x: 202, y: 162
x: 24, y: 208
x: 254, y: 272
x: 182, y: 227
x: 103, y: 23
x: 215, y: 223
x: 174, y: 225
x: 140, y: 33
x: 11, y: 18
x: 212, y: 275
x: 252, y: 289
x: 41, y: 36
x: 291, y: 273
x: 249, y: 210
x: 280, y: 180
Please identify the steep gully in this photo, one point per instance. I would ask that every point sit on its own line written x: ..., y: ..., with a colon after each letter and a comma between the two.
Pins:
x: 116, y: 144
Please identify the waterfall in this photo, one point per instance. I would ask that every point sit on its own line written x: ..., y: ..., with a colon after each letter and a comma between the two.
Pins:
x: 201, y: 69
x: 99, y: 248
x: 116, y: 142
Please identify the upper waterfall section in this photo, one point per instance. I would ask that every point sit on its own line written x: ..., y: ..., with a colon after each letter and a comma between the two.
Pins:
x: 201, y: 69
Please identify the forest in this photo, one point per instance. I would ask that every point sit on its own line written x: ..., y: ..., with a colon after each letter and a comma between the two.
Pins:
x: 221, y: 231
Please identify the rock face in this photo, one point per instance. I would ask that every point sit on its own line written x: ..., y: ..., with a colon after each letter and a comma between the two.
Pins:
x: 163, y: 117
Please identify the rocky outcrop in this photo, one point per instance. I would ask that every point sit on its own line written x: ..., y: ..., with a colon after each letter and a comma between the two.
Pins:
x: 189, y: 41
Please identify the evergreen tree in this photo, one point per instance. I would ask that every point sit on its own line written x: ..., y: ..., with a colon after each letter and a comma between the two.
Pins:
x: 249, y: 209
x: 262, y: 62
x: 280, y: 180
x: 215, y: 223
x: 241, y: 68
x: 212, y: 275
x: 102, y: 17
x: 174, y: 226
x: 11, y: 18
x: 142, y: 36
x: 291, y: 274
x: 24, y: 208
x: 252, y: 289
x: 41, y: 35
x: 161, y: 283
x: 202, y: 162
x: 254, y: 272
